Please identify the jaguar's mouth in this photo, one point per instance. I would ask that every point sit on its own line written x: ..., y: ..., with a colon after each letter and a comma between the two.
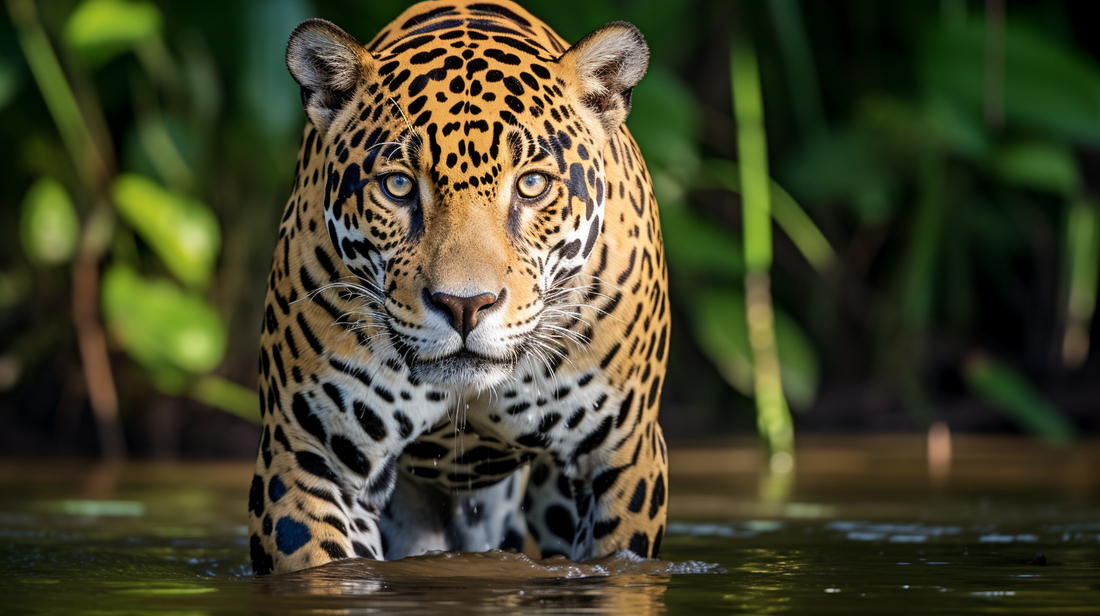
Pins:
x: 464, y: 368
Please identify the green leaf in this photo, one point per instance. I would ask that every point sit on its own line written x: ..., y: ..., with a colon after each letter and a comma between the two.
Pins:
x: 9, y: 82
x: 227, y: 396
x: 697, y: 245
x: 1042, y: 165
x: 1048, y: 84
x: 889, y: 133
x: 790, y: 216
x: 181, y: 230
x: 1011, y: 393
x: 798, y: 363
x: 721, y: 331
x: 98, y: 30
x: 49, y: 227
x: 846, y: 165
x: 956, y: 130
x: 163, y: 327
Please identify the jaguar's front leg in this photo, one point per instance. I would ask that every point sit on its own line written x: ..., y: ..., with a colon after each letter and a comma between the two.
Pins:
x: 621, y: 502
x: 611, y: 500
x: 302, y: 515
x: 327, y: 467
x: 550, y: 509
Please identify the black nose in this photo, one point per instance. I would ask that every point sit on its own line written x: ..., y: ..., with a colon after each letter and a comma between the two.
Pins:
x: 463, y: 310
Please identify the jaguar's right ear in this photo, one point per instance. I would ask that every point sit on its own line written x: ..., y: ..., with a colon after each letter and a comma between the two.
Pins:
x: 328, y: 63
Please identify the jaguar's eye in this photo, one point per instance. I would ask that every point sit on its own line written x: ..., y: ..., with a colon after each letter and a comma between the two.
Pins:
x: 532, y: 185
x: 398, y: 186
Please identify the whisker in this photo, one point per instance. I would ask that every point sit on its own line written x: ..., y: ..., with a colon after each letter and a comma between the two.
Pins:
x: 403, y: 116
x: 378, y: 145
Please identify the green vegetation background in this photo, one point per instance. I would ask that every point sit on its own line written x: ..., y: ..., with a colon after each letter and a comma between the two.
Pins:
x: 936, y: 246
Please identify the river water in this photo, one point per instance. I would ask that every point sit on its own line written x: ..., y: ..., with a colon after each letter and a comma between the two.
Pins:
x: 863, y: 526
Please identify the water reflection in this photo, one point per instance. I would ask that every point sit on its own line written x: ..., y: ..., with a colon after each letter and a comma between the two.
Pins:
x: 862, y: 529
x: 492, y: 581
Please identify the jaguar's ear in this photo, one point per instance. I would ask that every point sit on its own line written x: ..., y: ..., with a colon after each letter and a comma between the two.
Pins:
x: 608, y: 64
x: 328, y: 63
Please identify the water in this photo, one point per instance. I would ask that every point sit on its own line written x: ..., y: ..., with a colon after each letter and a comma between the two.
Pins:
x: 1011, y: 528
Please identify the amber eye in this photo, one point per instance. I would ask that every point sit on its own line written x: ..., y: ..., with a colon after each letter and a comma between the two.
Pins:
x: 398, y: 185
x: 532, y: 185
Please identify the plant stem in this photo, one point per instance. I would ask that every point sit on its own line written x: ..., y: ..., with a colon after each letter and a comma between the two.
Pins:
x: 60, y: 100
x: 773, y: 416
x: 91, y: 165
x: 1083, y: 276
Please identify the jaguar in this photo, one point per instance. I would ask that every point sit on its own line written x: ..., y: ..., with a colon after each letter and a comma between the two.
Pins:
x: 466, y: 324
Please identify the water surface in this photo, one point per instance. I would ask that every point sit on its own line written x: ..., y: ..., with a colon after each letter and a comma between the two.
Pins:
x: 861, y: 528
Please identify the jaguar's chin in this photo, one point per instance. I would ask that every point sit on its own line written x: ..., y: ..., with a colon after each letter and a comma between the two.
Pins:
x: 464, y: 370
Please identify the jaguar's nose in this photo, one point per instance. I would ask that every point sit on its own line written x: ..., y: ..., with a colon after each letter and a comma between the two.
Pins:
x: 463, y: 311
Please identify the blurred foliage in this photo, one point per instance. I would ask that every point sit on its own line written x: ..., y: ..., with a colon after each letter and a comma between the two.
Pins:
x: 1010, y: 391
x: 180, y: 230
x: 164, y: 328
x: 49, y: 225
x: 98, y: 30
x: 934, y: 197
x: 773, y: 416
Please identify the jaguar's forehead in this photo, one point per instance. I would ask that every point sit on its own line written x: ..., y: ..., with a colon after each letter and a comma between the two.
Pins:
x: 444, y: 26
x: 479, y: 86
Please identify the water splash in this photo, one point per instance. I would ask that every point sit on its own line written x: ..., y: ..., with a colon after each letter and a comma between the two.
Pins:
x: 502, y: 565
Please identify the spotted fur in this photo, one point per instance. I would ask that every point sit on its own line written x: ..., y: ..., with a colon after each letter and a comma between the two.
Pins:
x: 466, y: 364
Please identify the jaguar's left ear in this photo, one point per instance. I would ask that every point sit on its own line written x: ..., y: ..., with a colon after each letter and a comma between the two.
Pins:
x: 328, y: 63
x: 608, y: 64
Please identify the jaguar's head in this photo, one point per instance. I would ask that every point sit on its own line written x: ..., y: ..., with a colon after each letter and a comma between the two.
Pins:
x: 463, y: 177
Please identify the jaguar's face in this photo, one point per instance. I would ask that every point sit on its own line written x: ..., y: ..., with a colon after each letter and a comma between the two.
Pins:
x: 465, y: 189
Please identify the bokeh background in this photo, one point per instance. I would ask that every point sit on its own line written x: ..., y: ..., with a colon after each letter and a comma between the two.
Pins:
x: 936, y: 225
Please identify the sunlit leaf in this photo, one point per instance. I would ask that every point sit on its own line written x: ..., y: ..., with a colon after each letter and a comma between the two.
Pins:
x: 720, y: 330
x: 182, y: 231
x: 1010, y: 392
x: 1048, y: 84
x: 161, y: 326
x: 49, y: 227
x: 100, y: 29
